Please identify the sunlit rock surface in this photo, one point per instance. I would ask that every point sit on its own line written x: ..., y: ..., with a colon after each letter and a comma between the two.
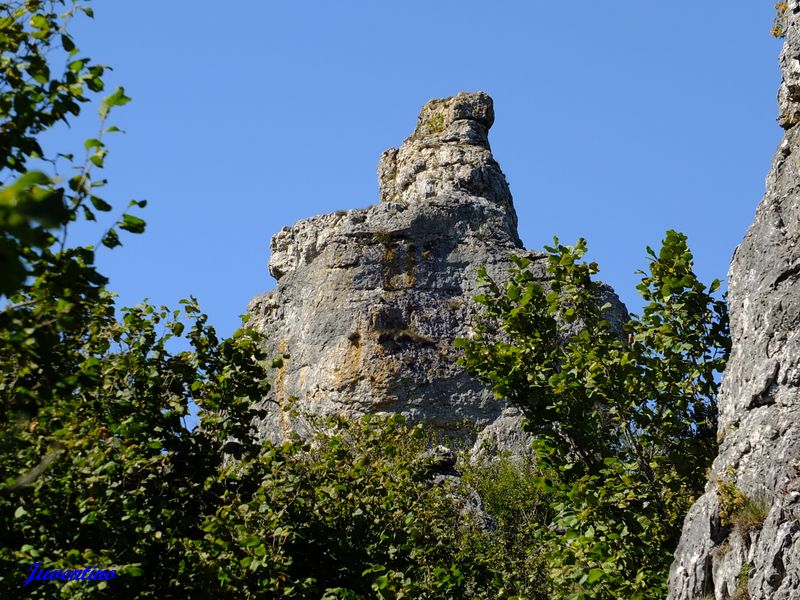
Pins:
x: 369, y: 301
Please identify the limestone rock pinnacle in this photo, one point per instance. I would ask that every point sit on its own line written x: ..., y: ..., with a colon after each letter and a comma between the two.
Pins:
x: 448, y: 153
x: 369, y: 301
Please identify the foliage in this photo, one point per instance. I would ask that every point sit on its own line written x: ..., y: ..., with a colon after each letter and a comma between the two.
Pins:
x: 512, y: 494
x: 98, y: 467
x: 349, y: 514
x: 779, y: 24
x: 751, y: 516
x: 44, y: 80
x: 105, y: 472
x: 742, y: 591
x: 625, y: 420
x: 357, y: 516
x: 731, y: 500
x: 738, y: 510
x: 436, y: 123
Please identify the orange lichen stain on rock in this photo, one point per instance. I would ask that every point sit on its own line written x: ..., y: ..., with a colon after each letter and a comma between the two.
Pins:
x: 302, y: 377
x: 279, y: 381
x: 350, y: 369
x: 279, y: 387
x: 384, y: 372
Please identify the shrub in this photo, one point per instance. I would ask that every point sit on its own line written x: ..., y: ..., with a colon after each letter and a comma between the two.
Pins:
x: 738, y: 510
x: 779, y: 24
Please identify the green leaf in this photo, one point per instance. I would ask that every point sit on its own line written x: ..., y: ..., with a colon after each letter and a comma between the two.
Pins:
x: 30, y: 179
x: 118, y: 98
x: 111, y: 239
x: 100, y: 204
x: 134, y: 570
x: 76, y: 66
x: 38, y: 22
x: 67, y: 43
x: 594, y: 575
x: 132, y: 224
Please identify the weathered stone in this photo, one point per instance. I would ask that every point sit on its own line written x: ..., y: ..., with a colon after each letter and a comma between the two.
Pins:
x: 759, y: 404
x: 369, y: 301
x: 448, y: 154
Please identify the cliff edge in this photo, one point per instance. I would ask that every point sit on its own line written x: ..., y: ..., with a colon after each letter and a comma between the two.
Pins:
x: 743, y: 535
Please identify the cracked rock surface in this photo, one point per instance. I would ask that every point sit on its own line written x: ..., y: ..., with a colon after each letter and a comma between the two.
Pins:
x: 759, y: 403
x: 369, y: 301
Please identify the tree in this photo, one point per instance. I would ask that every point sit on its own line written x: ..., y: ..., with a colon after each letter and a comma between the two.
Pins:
x: 97, y: 465
x: 44, y: 81
x: 625, y: 421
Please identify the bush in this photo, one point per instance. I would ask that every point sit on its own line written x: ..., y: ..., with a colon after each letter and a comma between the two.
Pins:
x: 513, y: 493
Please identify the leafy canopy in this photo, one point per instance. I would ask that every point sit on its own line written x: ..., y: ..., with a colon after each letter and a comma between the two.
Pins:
x: 625, y: 419
x: 44, y: 81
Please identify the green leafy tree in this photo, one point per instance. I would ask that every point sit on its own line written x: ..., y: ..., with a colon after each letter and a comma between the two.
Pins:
x: 512, y: 493
x: 97, y: 465
x: 353, y: 513
x: 625, y: 420
x: 44, y: 81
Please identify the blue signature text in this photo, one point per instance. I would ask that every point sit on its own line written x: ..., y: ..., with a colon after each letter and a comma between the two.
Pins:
x: 87, y: 574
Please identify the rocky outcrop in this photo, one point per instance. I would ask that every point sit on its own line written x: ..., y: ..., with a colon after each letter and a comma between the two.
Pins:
x: 369, y: 301
x: 743, y: 535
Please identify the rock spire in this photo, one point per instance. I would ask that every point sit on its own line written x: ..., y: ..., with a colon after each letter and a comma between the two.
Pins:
x: 369, y: 301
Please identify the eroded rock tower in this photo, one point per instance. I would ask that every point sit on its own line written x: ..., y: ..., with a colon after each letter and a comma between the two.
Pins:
x: 369, y: 301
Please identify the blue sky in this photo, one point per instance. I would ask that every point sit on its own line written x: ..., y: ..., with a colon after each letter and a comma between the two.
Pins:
x: 615, y: 121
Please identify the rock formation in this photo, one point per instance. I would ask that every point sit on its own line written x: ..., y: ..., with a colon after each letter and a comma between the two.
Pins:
x: 369, y: 301
x: 757, y: 552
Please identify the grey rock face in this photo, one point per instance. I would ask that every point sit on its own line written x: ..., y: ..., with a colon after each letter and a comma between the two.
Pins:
x: 369, y: 301
x: 759, y: 402
x: 448, y: 154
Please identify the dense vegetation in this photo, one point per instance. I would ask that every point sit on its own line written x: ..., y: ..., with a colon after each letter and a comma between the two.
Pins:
x: 97, y: 467
x: 625, y: 420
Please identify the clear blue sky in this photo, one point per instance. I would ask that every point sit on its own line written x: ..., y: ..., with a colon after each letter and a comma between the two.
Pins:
x: 614, y: 121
